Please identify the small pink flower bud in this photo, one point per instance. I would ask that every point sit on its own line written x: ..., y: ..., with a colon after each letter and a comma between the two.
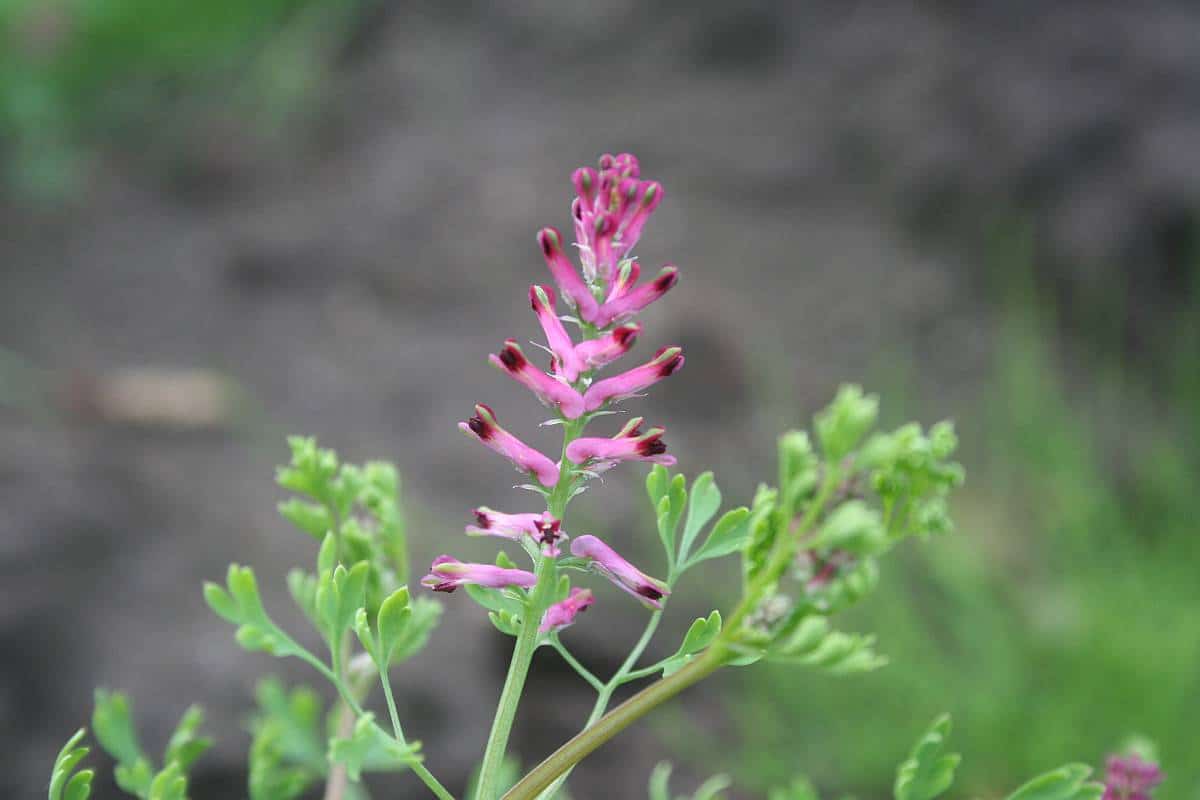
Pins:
x: 574, y: 290
x: 623, y: 281
x: 625, y: 300
x: 567, y: 362
x: 609, y: 347
x: 666, y: 361
x: 549, y: 390
x: 448, y: 573
x: 650, y: 591
x: 630, y: 444
x: 562, y: 614
x: 631, y: 227
x: 585, y: 180
x: 484, y: 427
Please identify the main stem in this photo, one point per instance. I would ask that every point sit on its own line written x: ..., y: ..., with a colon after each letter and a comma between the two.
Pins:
x: 527, y: 639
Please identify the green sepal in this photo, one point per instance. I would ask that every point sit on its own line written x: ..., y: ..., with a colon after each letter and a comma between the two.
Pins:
x: 929, y: 770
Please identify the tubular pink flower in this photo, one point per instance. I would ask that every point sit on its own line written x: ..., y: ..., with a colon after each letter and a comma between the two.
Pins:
x: 666, y: 361
x: 562, y: 614
x: 609, y: 347
x: 485, y: 428
x: 448, y: 573
x: 507, y: 526
x: 625, y: 279
x: 627, y: 577
x: 567, y: 362
x: 625, y: 300
x: 630, y: 444
x: 549, y: 390
x: 574, y: 290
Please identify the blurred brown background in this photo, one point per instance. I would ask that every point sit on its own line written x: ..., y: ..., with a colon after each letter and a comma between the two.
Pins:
x: 323, y: 223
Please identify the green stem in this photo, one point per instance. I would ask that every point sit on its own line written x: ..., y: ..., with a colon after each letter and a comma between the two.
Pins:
x: 424, y: 774
x: 612, y: 723
x: 573, y: 662
x: 527, y: 639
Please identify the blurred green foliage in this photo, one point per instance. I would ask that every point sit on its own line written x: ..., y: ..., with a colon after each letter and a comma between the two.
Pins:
x: 73, y: 72
x: 1065, y: 614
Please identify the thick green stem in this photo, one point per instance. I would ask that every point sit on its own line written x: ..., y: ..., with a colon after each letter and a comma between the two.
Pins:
x: 612, y: 723
x: 527, y: 638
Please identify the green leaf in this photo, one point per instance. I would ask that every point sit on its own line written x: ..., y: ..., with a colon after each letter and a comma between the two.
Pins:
x: 394, y: 615
x: 853, y: 527
x: 312, y: 518
x: 184, y: 746
x: 303, y: 588
x: 240, y: 604
x: 699, y: 636
x: 112, y: 724
x: 929, y: 770
x: 813, y: 644
x: 327, y: 555
x: 799, y: 789
x: 170, y: 784
x: 426, y: 614
x: 660, y: 778
x: 713, y: 788
x: 729, y: 535
x: 65, y: 783
x: 369, y: 748
x: 135, y: 778
x: 292, y: 724
x: 496, y: 599
x: 658, y: 483
x: 1069, y: 782
x: 703, y: 502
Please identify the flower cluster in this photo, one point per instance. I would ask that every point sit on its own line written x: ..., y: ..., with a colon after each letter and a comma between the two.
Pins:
x: 610, y: 210
x: 1130, y: 778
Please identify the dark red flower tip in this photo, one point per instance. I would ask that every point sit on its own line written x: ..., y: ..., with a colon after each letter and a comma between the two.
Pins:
x: 511, y: 356
x: 446, y: 587
x: 668, y: 278
x: 626, y: 335
x: 480, y: 428
x: 550, y: 240
x: 671, y: 366
x: 577, y: 210
x: 482, y: 519
x: 652, y: 446
x: 607, y: 161
x: 646, y: 591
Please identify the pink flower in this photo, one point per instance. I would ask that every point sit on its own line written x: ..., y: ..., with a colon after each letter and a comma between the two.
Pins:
x: 562, y: 614
x: 548, y: 389
x: 448, y: 573
x: 630, y: 444
x: 1130, y: 778
x: 608, y: 348
x: 611, y: 209
x: 485, y: 428
x: 625, y: 300
x: 507, y: 526
x: 567, y: 363
x: 666, y: 361
x: 574, y: 290
x: 627, y: 577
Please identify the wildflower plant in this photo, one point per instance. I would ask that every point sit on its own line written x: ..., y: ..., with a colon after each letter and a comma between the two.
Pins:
x: 807, y: 548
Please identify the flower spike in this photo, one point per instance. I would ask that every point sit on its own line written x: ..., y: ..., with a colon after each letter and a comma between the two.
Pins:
x: 562, y: 614
x: 609, y: 347
x: 624, y: 301
x: 549, y: 390
x: 666, y: 361
x: 485, y: 428
x: 573, y: 288
x: 448, y: 573
x: 567, y: 362
x: 630, y: 444
x: 650, y: 591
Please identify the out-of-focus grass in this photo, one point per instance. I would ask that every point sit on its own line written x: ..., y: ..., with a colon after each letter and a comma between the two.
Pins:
x: 1064, y: 614
x: 74, y: 72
